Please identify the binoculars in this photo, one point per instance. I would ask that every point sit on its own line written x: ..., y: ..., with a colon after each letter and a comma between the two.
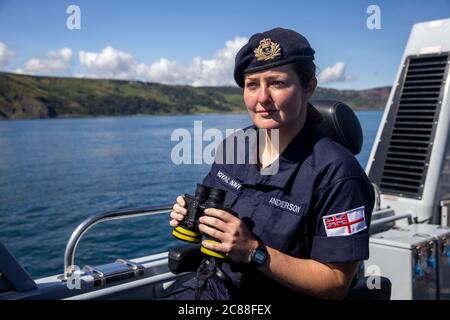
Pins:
x: 187, y: 230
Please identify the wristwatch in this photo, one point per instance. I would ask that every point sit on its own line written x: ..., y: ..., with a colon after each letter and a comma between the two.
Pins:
x: 258, y: 256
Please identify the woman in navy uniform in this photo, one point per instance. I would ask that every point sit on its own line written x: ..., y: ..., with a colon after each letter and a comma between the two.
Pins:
x: 303, y: 230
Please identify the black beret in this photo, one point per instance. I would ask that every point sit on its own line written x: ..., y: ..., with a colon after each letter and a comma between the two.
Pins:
x: 270, y: 49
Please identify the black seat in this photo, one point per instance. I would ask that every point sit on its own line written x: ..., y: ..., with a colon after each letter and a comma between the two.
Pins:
x: 185, y: 258
x: 359, y: 290
x: 339, y: 123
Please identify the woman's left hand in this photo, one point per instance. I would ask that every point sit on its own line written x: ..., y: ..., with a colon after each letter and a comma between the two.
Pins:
x: 236, y: 241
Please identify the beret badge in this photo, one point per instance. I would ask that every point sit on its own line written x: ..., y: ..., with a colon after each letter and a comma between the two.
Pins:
x: 267, y: 50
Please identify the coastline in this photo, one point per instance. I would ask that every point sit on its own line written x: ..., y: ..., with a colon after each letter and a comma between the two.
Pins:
x: 70, y: 117
x: 37, y: 97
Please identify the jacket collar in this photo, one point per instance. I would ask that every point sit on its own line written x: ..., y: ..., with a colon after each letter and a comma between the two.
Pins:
x: 290, y: 159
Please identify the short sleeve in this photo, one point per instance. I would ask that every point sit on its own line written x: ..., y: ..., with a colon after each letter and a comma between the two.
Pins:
x: 343, y: 212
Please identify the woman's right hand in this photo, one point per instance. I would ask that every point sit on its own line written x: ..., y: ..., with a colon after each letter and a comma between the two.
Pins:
x: 178, y: 212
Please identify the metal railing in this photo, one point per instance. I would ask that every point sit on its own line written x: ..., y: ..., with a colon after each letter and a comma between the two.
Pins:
x: 377, y: 197
x: 77, y: 234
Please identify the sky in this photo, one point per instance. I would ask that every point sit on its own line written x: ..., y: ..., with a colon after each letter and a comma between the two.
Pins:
x: 195, y: 42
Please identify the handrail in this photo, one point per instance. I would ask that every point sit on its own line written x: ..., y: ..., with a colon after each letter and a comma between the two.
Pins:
x: 69, y: 255
x: 374, y: 227
x: 377, y: 197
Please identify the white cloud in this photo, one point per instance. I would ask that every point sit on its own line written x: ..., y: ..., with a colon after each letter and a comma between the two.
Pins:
x: 56, y: 61
x: 335, y: 73
x: 6, y: 55
x: 217, y: 71
x: 164, y: 71
x: 112, y: 63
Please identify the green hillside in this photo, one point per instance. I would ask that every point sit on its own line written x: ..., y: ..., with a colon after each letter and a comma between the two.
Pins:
x: 24, y: 96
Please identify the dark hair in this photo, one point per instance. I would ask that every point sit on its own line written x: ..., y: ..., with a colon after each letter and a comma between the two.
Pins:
x: 305, y: 70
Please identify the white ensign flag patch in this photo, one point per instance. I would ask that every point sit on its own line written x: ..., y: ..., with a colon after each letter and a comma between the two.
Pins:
x: 345, y: 223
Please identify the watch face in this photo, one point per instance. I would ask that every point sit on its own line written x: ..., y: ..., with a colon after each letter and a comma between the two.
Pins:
x: 259, y: 256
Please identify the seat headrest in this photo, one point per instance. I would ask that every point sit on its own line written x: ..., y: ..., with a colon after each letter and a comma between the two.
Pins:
x: 340, y: 124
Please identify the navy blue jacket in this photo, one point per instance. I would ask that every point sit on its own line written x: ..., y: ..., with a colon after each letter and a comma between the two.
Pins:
x: 317, y: 206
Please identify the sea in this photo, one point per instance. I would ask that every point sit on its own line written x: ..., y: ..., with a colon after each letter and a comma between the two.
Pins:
x: 54, y: 173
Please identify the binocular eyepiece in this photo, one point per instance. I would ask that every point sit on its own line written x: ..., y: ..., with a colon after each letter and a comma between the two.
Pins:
x: 187, y: 230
